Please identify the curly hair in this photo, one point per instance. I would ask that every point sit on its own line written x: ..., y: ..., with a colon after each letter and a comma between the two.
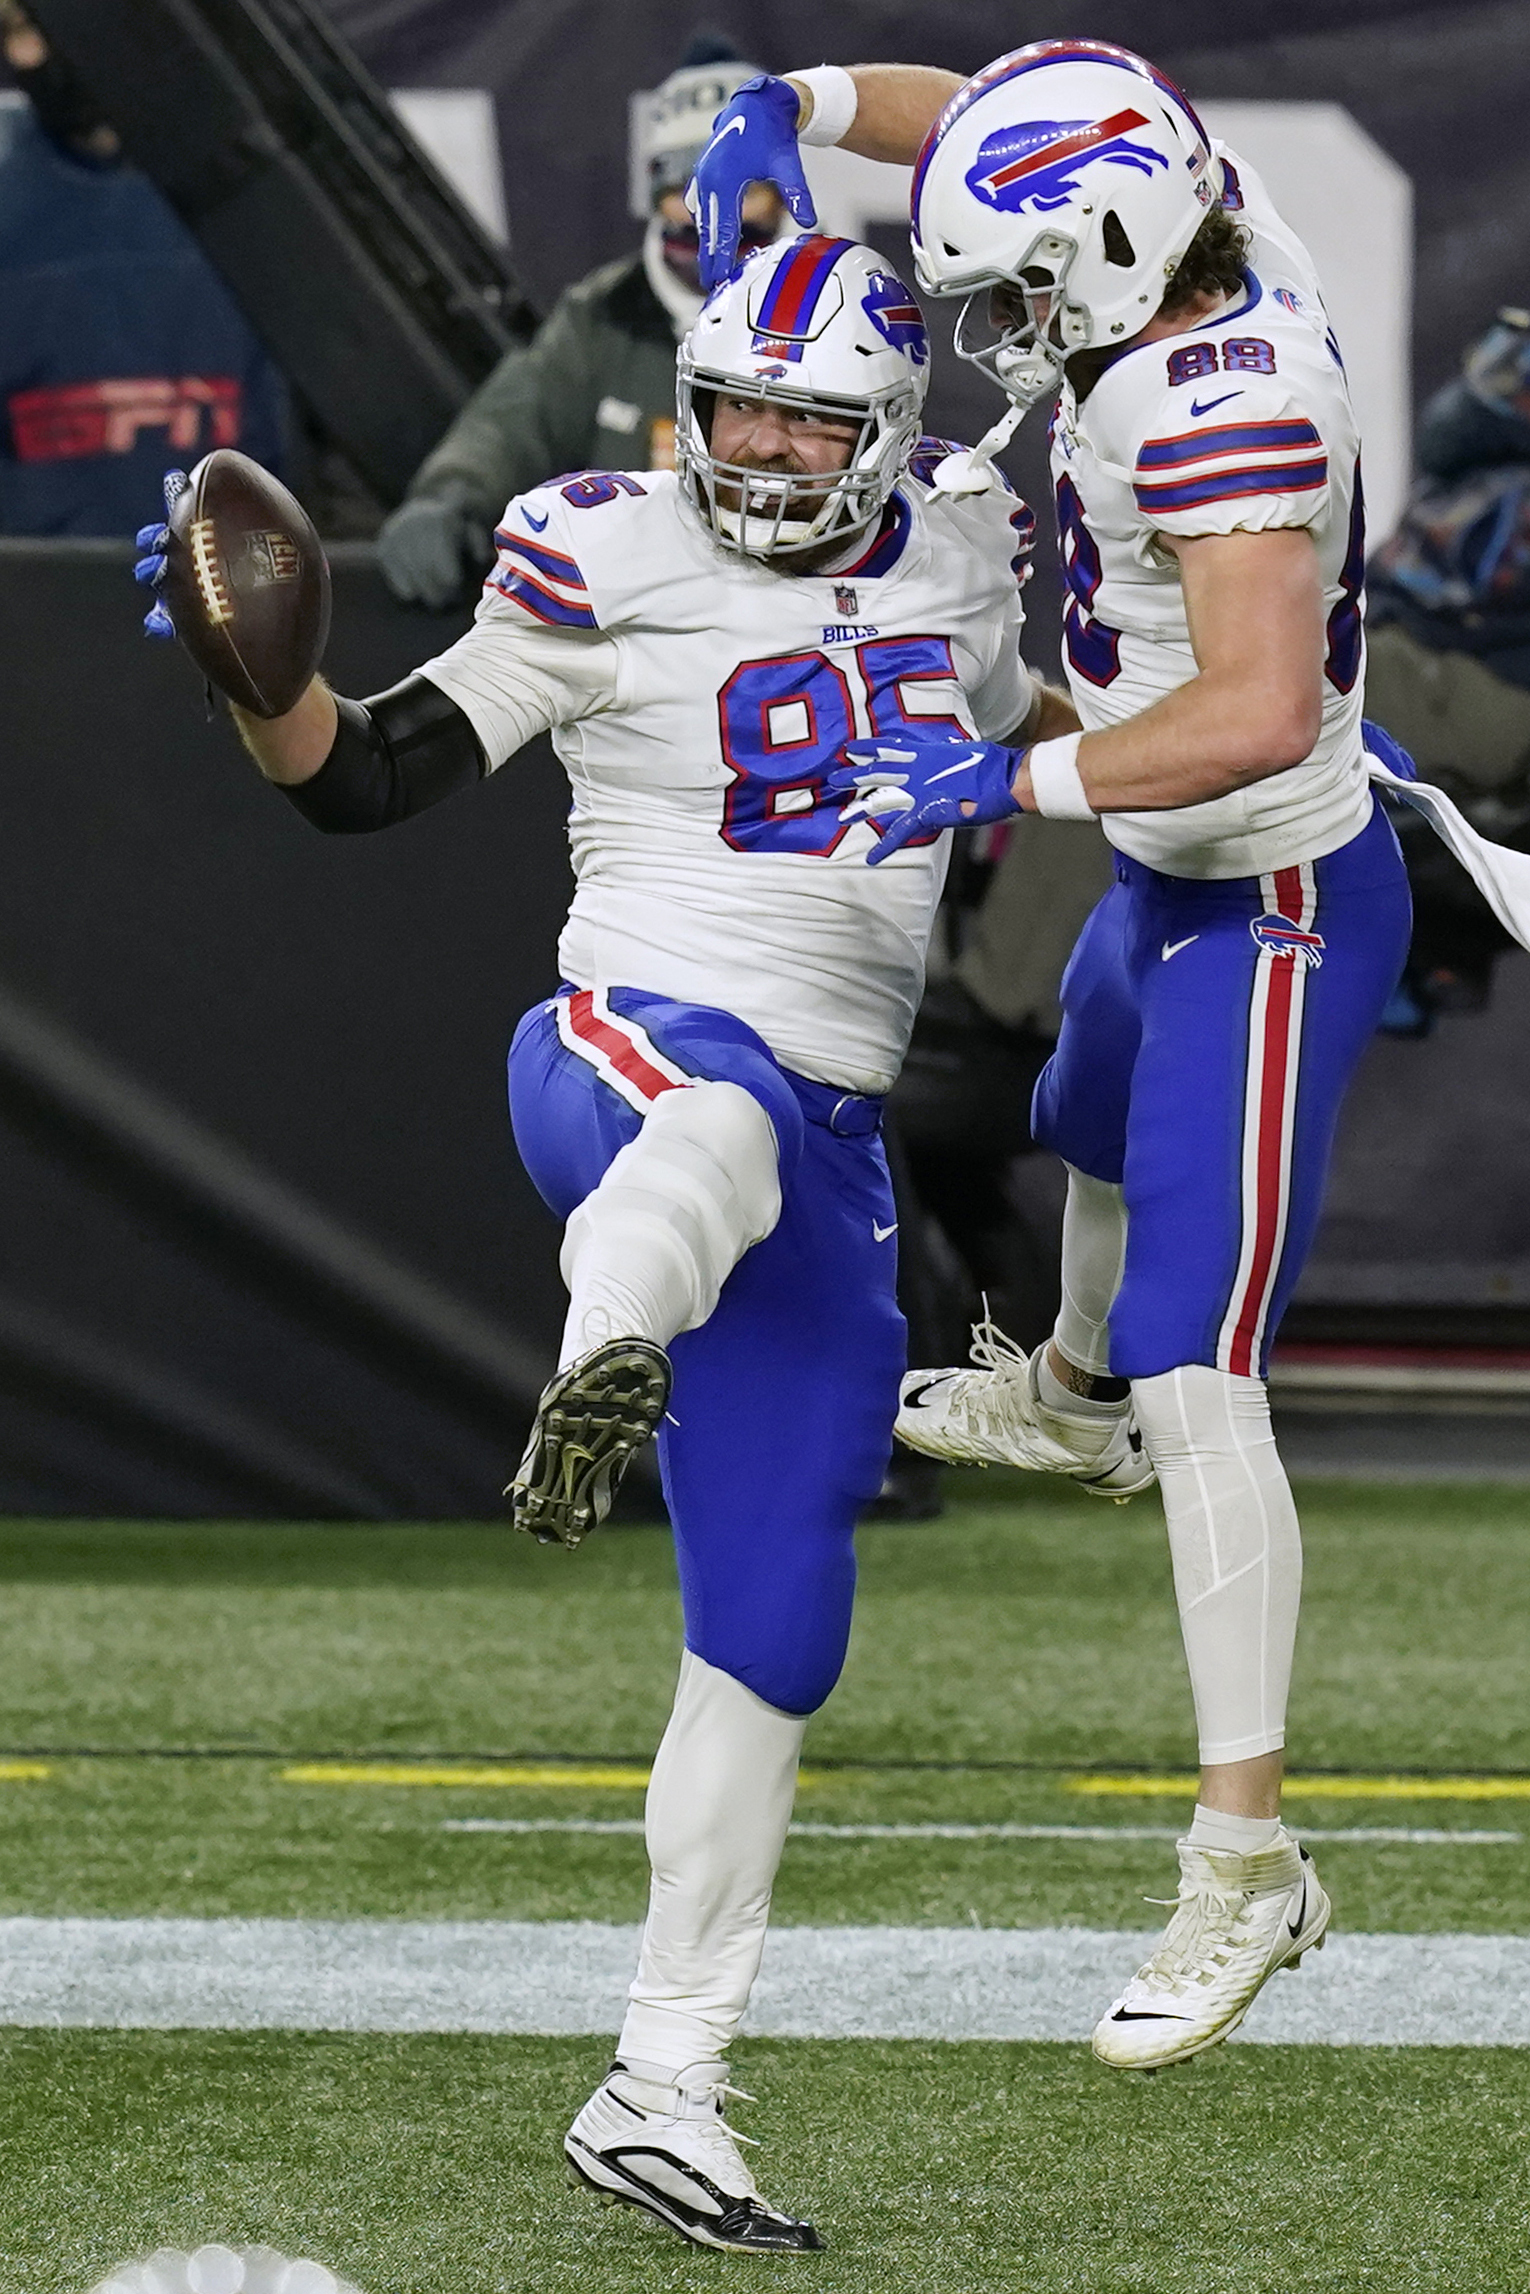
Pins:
x: 1212, y: 264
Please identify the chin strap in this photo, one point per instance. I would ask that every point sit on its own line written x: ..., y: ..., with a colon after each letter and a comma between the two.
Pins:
x: 970, y: 469
x: 1026, y: 375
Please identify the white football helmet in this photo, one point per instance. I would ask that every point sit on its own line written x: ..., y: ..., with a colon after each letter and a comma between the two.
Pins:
x: 1058, y: 190
x: 815, y: 325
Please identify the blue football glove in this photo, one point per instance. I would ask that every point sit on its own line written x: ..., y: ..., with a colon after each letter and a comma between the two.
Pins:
x: 1386, y: 751
x: 150, y: 569
x: 754, y: 140
x: 928, y: 780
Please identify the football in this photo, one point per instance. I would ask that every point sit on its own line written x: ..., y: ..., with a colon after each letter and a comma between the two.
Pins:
x: 246, y: 583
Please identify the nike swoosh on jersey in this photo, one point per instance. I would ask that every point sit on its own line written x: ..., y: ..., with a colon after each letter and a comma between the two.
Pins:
x: 537, y: 525
x: 1173, y: 947
x: 1197, y: 408
x: 882, y: 1233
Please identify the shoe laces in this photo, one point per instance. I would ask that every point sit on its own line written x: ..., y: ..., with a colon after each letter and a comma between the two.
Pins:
x: 1201, y: 1938
x: 993, y: 1348
x: 710, y: 2117
x: 970, y: 1394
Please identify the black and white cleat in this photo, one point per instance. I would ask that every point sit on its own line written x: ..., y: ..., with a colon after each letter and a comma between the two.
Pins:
x: 591, y: 1421
x: 670, y: 2151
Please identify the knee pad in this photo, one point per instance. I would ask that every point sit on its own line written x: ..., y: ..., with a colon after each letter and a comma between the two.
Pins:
x: 676, y: 1210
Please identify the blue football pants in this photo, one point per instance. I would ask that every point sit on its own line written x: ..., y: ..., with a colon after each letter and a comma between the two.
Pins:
x: 1210, y: 1031
x: 780, y: 1422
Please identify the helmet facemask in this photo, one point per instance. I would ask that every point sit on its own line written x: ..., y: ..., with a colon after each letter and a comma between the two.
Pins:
x: 1021, y: 329
x: 775, y: 513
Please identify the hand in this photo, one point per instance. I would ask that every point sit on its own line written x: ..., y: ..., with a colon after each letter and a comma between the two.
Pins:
x: 930, y: 780
x: 432, y: 550
x: 1380, y: 744
x: 150, y: 570
x: 754, y: 140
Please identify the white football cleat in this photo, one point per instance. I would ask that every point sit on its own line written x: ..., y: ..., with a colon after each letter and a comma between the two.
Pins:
x: 991, y: 1415
x: 1236, y: 1920
x: 670, y: 2150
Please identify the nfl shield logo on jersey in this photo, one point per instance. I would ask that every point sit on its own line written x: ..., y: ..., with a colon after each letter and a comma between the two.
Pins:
x: 846, y: 601
x: 1278, y: 936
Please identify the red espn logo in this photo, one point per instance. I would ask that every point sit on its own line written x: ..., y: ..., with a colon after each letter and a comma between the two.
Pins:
x: 66, y: 421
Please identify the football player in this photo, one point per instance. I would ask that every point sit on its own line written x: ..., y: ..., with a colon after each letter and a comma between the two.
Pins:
x: 700, y: 1100
x: 1213, y: 541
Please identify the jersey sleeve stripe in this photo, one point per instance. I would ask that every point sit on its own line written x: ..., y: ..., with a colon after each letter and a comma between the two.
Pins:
x: 1231, y: 485
x: 523, y: 590
x: 546, y: 561
x: 1228, y: 438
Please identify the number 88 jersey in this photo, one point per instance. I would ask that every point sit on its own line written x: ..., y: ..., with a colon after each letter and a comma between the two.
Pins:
x: 1243, y: 425
x: 697, y: 701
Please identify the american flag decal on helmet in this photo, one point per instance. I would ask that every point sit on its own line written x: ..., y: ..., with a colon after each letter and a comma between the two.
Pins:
x: 1278, y: 936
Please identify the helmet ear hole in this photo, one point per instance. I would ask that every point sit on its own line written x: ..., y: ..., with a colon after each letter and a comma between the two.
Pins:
x: 1118, y: 247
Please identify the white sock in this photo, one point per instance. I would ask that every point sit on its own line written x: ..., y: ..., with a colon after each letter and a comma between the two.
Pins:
x: 1093, y: 1255
x: 647, y: 1252
x: 1237, y: 1551
x: 1238, y: 1835
x: 1056, y: 1396
x: 718, y: 1806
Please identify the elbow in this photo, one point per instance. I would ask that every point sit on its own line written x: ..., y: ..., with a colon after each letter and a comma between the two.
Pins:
x: 1293, y: 742
x: 1279, y: 735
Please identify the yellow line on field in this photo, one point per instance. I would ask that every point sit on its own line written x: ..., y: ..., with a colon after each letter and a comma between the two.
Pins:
x: 22, y: 1771
x: 548, y: 1779
x: 1320, y: 1787
x: 544, y: 1777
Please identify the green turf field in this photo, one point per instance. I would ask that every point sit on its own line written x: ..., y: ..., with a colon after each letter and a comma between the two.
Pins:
x: 1025, y: 1637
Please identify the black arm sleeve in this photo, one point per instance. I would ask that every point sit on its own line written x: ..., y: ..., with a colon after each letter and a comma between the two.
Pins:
x: 392, y: 755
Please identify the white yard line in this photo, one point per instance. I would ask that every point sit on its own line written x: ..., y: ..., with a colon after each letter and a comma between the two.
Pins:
x: 817, y: 1983
x: 632, y: 1827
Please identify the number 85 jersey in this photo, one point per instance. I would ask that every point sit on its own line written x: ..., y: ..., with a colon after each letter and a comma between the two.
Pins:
x: 1243, y: 425
x: 697, y: 701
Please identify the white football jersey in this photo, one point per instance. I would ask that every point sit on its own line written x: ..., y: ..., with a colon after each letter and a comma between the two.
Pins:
x: 697, y: 700
x: 1243, y: 425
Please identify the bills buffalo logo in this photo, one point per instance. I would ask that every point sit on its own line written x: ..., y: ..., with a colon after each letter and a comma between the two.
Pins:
x: 1278, y: 936
x: 1038, y: 164
x: 896, y: 317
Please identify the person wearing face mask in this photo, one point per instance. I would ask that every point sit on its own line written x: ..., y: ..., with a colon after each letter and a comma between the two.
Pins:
x: 597, y: 387
x: 118, y: 341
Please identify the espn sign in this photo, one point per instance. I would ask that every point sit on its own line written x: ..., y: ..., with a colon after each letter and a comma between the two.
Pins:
x: 64, y: 422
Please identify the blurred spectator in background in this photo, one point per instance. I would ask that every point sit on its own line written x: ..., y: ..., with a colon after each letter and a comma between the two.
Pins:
x: 1448, y: 671
x: 120, y: 348
x: 597, y: 387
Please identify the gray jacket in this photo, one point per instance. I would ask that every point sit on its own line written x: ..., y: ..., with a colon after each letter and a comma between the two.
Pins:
x: 595, y: 390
